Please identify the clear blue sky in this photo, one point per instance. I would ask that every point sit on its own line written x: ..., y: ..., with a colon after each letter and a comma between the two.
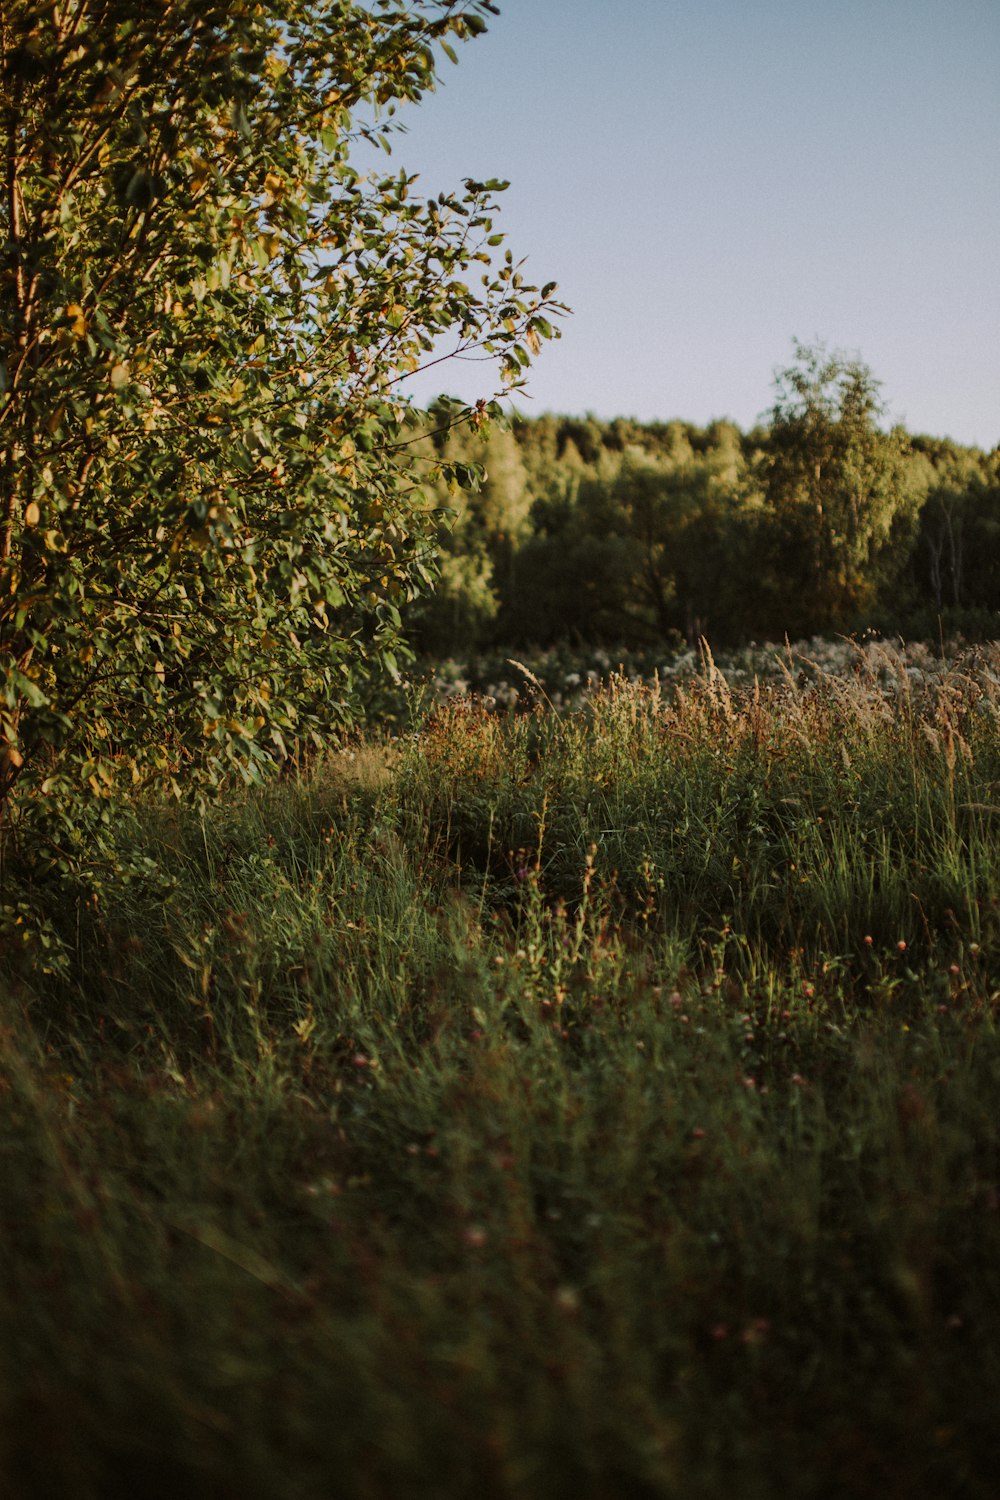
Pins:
x: 708, y: 178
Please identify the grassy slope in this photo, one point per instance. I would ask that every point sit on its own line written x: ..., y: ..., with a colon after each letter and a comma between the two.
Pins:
x: 601, y: 1104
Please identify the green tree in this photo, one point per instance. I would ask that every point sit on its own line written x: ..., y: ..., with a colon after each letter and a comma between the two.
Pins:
x: 211, y: 496
x: 483, y: 527
x: 840, y: 514
x: 634, y: 557
x: 957, y: 560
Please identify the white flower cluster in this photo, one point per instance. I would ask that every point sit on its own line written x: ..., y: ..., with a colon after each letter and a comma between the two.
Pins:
x: 565, y: 678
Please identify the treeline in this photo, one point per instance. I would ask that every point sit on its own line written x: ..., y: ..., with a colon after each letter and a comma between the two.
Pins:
x: 820, y: 520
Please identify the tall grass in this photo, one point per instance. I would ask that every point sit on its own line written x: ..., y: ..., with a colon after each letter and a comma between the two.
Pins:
x: 805, y: 817
x: 597, y: 1103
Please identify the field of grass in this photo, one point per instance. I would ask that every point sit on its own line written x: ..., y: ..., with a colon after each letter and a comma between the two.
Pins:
x: 594, y: 1102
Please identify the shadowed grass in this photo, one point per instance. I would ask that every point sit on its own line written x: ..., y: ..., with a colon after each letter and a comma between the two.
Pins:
x: 525, y: 1112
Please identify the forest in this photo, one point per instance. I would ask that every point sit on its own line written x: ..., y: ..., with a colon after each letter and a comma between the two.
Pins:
x: 818, y: 521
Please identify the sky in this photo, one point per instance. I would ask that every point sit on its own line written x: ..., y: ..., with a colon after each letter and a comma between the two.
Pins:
x: 709, y: 179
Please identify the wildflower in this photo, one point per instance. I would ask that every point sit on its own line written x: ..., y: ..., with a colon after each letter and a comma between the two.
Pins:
x: 869, y: 940
x: 901, y: 946
x: 475, y: 1236
x: 698, y: 1133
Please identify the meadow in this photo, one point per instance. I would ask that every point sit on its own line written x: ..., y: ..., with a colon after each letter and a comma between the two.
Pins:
x: 594, y: 1100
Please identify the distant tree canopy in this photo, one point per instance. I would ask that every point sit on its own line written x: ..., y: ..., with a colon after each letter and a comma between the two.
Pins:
x: 821, y: 520
x: 835, y: 486
x: 212, y: 499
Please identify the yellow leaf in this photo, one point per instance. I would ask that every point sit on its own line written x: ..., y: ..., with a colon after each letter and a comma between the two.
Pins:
x: 32, y: 515
x: 119, y: 376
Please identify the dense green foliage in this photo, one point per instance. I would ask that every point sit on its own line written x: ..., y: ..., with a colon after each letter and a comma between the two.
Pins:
x: 597, y: 1104
x: 627, y: 533
x: 210, y: 500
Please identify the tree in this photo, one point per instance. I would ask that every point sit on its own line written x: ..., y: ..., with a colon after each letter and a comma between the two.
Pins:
x: 638, y: 555
x: 959, y: 550
x: 210, y: 508
x: 485, y: 524
x: 840, y: 513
